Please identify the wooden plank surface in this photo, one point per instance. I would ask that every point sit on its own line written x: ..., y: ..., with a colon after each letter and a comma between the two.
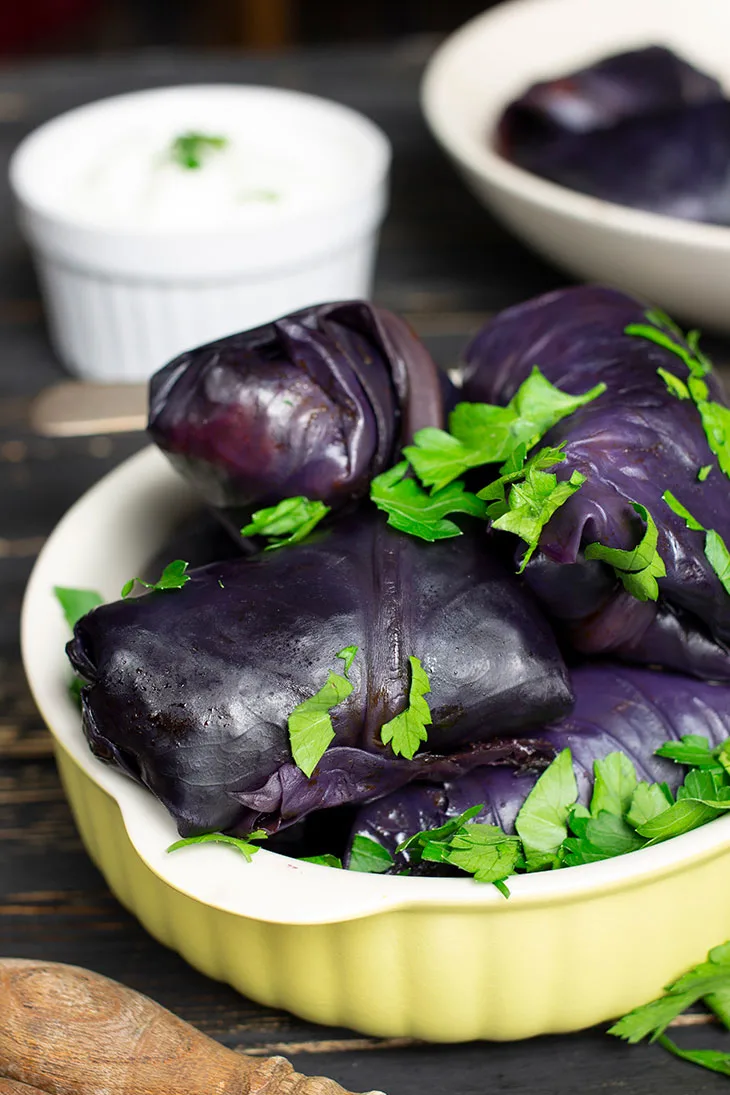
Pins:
x: 448, y: 265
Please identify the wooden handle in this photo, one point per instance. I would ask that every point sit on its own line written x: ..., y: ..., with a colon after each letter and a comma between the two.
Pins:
x: 68, y: 1031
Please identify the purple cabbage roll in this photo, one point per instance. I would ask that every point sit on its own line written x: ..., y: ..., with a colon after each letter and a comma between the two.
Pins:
x: 644, y: 129
x: 189, y: 690
x: 633, y: 443
x: 635, y: 84
x: 315, y: 404
x: 617, y: 709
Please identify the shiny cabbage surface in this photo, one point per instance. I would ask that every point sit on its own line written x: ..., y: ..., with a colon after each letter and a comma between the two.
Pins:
x: 190, y: 690
x: 632, y: 443
x: 617, y: 708
x: 314, y: 404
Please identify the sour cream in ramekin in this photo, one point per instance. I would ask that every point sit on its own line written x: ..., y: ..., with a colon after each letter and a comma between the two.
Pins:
x: 141, y: 256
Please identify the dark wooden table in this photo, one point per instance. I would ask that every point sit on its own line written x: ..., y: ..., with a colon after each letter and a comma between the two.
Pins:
x: 446, y: 265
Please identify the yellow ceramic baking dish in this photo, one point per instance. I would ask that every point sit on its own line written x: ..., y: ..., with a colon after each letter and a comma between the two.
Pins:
x: 442, y: 959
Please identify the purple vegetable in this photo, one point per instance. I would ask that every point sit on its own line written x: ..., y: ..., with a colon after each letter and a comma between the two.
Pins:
x: 190, y: 689
x: 643, y: 129
x: 630, y: 85
x: 314, y: 404
x: 633, y: 443
x: 617, y: 708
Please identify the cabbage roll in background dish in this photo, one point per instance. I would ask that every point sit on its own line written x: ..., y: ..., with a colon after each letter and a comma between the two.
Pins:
x: 617, y: 708
x: 313, y: 405
x: 658, y: 427
x: 642, y: 129
x: 191, y: 690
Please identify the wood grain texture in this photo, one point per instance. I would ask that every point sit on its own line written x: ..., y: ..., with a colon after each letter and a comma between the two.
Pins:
x: 446, y: 264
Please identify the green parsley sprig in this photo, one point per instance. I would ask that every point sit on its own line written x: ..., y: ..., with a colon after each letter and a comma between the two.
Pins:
x: 310, y: 724
x: 288, y: 522
x: 243, y: 845
x: 662, y: 331
x: 638, y: 569
x: 76, y: 602
x: 174, y: 576
x: 406, y: 731
x: 412, y: 510
x: 708, y: 982
x: 190, y: 150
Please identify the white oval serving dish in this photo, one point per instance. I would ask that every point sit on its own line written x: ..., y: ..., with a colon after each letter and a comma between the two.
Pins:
x: 680, y: 265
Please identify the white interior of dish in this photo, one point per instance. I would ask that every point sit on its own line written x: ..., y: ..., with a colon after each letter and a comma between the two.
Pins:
x: 104, y: 539
x: 496, y: 56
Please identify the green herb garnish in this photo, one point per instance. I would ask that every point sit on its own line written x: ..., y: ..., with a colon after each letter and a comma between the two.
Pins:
x: 532, y: 503
x: 676, y: 386
x: 638, y: 569
x: 348, y: 655
x: 369, y: 857
x: 325, y: 860
x: 76, y: 602
x: 190, y: 149
x: 289, y: 522
x: 174, y: 576
x: 412, y: 510
x: 483, y: 433
x: 542, y: 823
x: 310, y: 725
x: 708, y: 982
x: 406, y: 731
x: 704, y: 472
x: 241, y: 844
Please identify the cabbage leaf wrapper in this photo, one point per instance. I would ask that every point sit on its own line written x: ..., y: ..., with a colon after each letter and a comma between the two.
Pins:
x: 633, y: 443
x: 617, y: 709
x: 190, y: 689
x: 643, y: 129
x: 314, y: 404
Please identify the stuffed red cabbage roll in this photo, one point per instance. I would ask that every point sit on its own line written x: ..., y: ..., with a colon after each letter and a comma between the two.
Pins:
x: 642, y: 437
x: 643, y: 129
x: 617, y: 708
x: 315, y: 404
x: 190, y: 690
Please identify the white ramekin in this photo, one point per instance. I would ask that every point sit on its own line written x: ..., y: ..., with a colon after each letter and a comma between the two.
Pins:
x: 121, y: 303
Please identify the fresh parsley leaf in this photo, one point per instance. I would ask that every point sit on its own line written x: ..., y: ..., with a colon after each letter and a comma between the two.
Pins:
x: 242, y: 845
x: 348, y: 655
x: 614, y: 785
x: 191, y: 149
x: 542, y: 823
x: 289, y: 522
x: 676, y: 506
x: 661, y: 338
x: 704, y: 472
x: 310, y: 725
x: 638, y: 569
x: 438, y: 457
x: 442, y: 835
x: 676, y: 386
x: 485, y: 852
x: 648, y: 801
x: 174, y: 576
x: 598, y: 837
x: 369, y: 857
x: 326, y: 860
x: 482, y: 433
x: 692, y: 749
x: 718, y: 557
x: 406, y: 731
x: 531, y: 505
x: 516, y: 467
x: 538, y: 406
x: 76, y: 602
x: 712, y: 1059
x: 685, y: 815
x: 716, y: 423
x: 412, y: 510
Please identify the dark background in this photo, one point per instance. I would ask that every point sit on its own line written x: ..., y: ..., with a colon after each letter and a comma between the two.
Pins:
x: 46, y: 27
